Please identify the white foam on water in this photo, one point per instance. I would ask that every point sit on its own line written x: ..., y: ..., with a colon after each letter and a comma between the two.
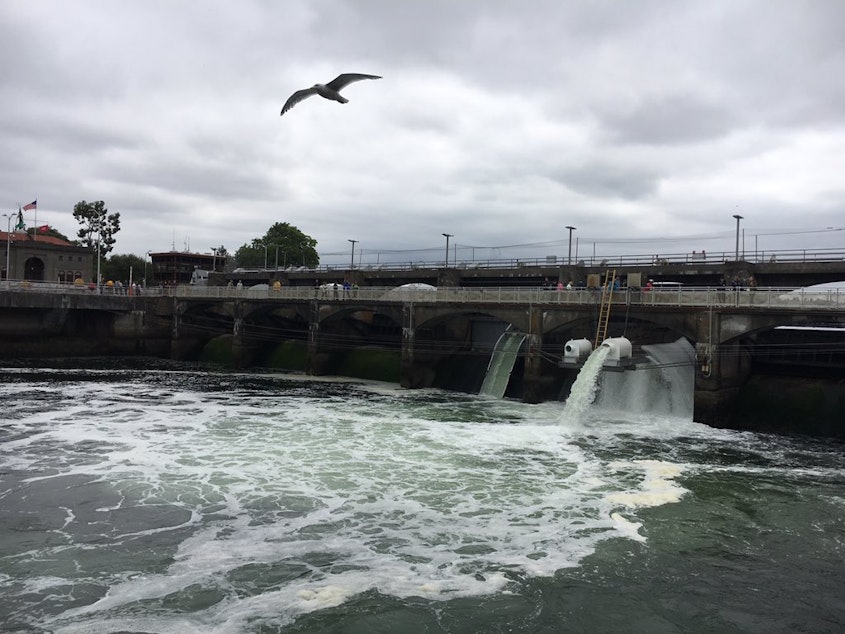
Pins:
x: 381, y: 490
x: 657, y: 487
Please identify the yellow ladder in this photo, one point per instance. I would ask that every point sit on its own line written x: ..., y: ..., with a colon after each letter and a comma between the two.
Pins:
x: 604, y: 309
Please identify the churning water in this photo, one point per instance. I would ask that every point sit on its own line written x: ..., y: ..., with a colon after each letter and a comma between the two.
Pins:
x: 183, y: 501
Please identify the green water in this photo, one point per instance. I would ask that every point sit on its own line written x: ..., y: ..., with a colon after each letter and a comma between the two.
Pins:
x: 175, y: 500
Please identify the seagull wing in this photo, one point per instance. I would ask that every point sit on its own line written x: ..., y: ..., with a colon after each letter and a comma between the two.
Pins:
x: 296, y: 97
x: 344, y: 80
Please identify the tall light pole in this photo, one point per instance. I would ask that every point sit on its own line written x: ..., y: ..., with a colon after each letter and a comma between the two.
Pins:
x: 284, y: 253
x: 738, y: 218
x: 99, y: 290
x: 447, y: 235
x: 352, y: 261
x: 265, y: 255
x: 569, y: 257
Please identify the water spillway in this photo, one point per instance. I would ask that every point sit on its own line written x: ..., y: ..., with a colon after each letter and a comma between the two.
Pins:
x: 583, y: 391
x: 501, y: 363
x: 664, y: 385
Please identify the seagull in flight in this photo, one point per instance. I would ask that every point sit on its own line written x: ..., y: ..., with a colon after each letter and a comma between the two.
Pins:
x: 330, y: 90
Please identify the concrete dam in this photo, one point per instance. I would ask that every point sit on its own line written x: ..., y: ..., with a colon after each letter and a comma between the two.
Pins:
x: 741, y: 341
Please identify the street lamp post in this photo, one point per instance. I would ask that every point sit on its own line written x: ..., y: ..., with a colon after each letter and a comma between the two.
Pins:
x: 447, y: 236
x: 569, y: 257
x: 99, y: 290
x: 738, y: 218
x: 284, y: 253
x: 352, y: 260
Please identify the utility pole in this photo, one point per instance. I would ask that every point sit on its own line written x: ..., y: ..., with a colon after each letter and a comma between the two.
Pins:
x: 352, y: 261
x: 569, y: 258
x: 738, y: 218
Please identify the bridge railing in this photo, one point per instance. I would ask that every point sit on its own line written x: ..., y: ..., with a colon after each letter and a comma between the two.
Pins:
x: 627, y: 260
x: 681, y: 296
x: 830, y: 298
x: 593, y: 260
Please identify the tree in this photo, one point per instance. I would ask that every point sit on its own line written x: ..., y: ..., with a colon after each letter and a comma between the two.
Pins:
x: 222, y: 253
x: 97, y: 225
x: 118, y: 267
x: 283, y: 245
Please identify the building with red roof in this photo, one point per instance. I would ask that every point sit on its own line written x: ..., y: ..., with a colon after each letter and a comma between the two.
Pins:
x: 44, y: 258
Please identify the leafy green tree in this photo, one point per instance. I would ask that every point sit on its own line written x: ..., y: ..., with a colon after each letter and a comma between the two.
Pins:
x: 222, y: 255
x: 98, y: 225
x: 283, y: 245
x: 118, y: 267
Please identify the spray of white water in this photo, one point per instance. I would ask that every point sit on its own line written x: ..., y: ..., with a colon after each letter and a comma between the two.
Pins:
x: 583, y: 391
x: 664, y: 388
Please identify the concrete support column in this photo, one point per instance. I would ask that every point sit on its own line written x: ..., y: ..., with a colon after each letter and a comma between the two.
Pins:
x: 720, y: 371
x: 128, y: 330
x: 242, y: 352
x: 532, y: 390
x: 311, y: 353
x: 406, y: 365
x: 174, y: 329
x: 180, y: 348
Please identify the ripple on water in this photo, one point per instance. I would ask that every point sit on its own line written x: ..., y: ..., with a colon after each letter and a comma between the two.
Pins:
x: 234, y: 499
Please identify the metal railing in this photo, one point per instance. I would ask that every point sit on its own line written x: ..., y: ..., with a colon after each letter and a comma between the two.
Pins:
x: 790, y: 298
x: 683, y: 296
x: 640, y: 260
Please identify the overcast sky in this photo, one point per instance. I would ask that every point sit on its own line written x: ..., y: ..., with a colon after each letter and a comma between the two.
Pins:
x: 646, y: 125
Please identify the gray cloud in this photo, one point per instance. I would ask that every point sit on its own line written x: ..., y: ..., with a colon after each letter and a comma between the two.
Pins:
x: 495, y: 121
x: 674, y: 119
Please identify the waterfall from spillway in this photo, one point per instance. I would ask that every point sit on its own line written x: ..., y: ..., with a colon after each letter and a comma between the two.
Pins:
x: 501, y: 364
x: 663, y: 387
x: 583, y: 391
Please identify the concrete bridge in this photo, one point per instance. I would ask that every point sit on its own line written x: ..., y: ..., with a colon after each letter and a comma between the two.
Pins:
x: 427, y: 328
x: 796, y: 268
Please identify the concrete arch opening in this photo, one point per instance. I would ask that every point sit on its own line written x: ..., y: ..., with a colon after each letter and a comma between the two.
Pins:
x: 356, y: 341
x: 34, y: 269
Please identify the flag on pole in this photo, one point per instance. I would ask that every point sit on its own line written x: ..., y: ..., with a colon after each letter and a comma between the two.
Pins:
x: 21, y: 225
x: 43, y: 228
x: 32, y: 205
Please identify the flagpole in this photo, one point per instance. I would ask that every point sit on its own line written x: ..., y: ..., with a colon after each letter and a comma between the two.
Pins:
x: 8, y: 247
